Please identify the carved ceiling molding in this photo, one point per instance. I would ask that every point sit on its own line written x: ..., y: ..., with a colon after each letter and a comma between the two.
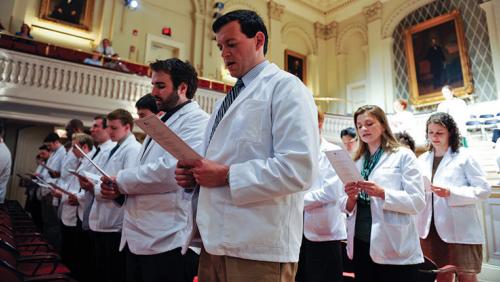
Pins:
x: 275, y: 10
x: 293, y: 27
x: 373, y: 12
x: 325, y: 32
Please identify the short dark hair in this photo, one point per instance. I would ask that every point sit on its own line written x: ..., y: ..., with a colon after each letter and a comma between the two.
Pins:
x: 349, y: 131
x: 43, y: 147
x: 104, y: 120
x: 405, y: 139
x: 51, y: 137
x: 180, y: 72
x: 75, y: 124
x: 147, y: 102
x: 123, y: 115
x: 449, y: 123
x: 250, y: 23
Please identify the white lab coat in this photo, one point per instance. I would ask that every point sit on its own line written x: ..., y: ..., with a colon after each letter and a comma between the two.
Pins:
x: 54, y: 162
x: 72, y: 185
x: 457, y: 109
x: 107, y: 215
x: 323, y: 218
x: 269, y: 137
x: 5, y: 164
x: 456, y: 217
x: 394, y: 237
x: 85, y: 197
x: 158, y: 213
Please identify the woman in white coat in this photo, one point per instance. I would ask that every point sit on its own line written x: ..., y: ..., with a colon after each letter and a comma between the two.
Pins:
x: 449, y: 225
x: 382, y: 238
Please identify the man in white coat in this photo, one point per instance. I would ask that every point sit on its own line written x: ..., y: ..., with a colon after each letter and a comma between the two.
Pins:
x: 261, y: 153
x: 5, y: 164
x: 106, y: 215
x: 158, y: 218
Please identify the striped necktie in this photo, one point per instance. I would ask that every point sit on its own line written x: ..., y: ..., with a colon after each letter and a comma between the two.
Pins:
x: 230, y: 97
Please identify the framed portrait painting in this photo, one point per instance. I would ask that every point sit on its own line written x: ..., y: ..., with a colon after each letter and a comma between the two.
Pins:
x: 296, y: 64
x: 436, y: 54
x: 74, y: 13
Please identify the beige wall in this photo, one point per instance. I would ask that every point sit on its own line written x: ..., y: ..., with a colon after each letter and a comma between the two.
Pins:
x: 355, y: 56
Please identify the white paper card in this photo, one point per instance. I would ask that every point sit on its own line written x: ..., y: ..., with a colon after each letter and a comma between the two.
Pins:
x: 167, y: 139
x: 91, y: 161
x: 344, y: 166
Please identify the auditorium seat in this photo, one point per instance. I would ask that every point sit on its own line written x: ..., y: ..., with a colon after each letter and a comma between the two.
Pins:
x: 11, y: 274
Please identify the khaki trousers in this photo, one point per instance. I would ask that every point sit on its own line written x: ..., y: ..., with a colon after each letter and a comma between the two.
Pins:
x: 214, y: 268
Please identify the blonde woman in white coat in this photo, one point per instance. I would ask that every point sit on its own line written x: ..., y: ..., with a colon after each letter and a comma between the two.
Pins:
x: 382, y: 238
x: 449, y: 225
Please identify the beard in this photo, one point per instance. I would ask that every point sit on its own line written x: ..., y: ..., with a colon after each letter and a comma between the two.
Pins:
x: 169, y: 103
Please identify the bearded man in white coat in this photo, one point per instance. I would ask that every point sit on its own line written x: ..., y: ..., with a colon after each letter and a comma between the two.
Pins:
x: 158, y: 218
x: 261, y: 153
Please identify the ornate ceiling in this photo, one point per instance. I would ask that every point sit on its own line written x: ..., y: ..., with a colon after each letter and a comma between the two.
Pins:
x: 327, y: 6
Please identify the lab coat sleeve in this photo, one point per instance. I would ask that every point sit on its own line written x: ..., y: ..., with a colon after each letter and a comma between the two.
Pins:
x: 410, y: 199
x: 330, y: 189
x: 478, y: 190
x: 343, y: 206
x: 159, y: 176
x: 293, y: 165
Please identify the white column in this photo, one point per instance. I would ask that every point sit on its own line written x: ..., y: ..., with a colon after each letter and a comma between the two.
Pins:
x: 275, y: 52
x: 376, y: 89
x: 197, y: 47
x: 388, y: 72
x: 341, y: 88
x: 492, y: 9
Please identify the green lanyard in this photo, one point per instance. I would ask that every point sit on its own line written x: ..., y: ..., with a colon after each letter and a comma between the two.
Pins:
x: 368, y: 165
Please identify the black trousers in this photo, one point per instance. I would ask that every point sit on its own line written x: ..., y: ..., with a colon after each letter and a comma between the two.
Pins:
x: 69, y: 251
x: 170, y: 266
x: 86, y: 252
x: 320, y: 261
x: 110, y: 262
x: 365, y: 270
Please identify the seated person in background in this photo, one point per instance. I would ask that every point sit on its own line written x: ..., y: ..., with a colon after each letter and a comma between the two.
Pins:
x: 105, y: 48
x: 348, y: 136
x: 402, y: 120
x: 25, y: 31
x: 95, y: 60
x: 146, y: 106
x: 116, y: 64
x: 405, y: 140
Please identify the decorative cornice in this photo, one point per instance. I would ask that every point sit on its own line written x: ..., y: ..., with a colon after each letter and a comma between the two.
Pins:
x: 373, y: 12
x: 325, y: 32
x: 275, y: 10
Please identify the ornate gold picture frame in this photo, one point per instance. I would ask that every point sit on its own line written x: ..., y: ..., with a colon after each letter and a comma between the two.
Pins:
x: 296, y: 64
x: 436, y: 55
x: 74, y: 13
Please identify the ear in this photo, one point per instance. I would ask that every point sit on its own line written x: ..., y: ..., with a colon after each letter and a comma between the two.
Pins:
x: 182, y: 89
x: 260, y: 39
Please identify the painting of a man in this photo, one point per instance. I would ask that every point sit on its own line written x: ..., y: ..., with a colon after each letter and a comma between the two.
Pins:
x: 295, y: 64
x: 436, y: 58
x: 68, y: 10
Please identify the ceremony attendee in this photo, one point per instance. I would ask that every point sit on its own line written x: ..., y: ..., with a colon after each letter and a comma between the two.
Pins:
x: 25, y: 31
x: 146, y: 106
x: 86, y: 240
x: 261, y: 153
x: 158, y: 219
x: 324, y: 223
x: 106, y: 216
x: 450, y: 226
x: 403, y: 120
x: 5, y: 165
x: 95, y: 60
x: 382, y: 235
x: 105, y: 48
x: 348, y: 136
x: 405, y: 140
x: 457, y: 108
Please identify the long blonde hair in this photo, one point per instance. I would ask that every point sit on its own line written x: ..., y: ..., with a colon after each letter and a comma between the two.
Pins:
x: 388, y: 142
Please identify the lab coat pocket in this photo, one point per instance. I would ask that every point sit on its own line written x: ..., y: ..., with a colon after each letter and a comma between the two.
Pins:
x: 396, y: 218
x: 250, y: 122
